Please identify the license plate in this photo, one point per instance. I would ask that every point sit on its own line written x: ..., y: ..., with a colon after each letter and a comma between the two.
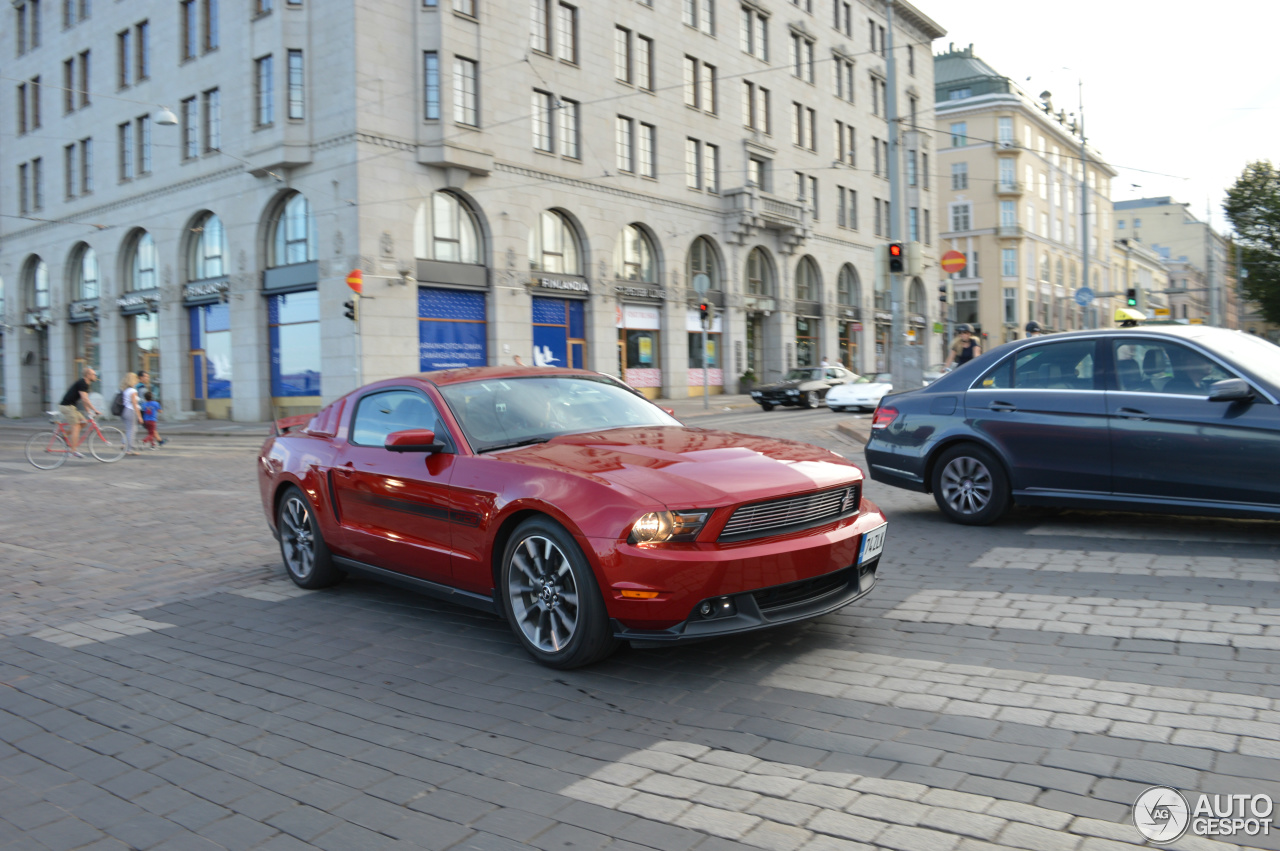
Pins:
x: 872, y: 543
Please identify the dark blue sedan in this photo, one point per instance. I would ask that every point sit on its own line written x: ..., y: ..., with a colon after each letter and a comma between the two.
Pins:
x: 1171, y: 419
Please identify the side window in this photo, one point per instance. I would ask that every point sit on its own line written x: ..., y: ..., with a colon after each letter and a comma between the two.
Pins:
x: 1055, y: 366
x: 1157, y: 366
x: 380, y: 414
x: 1000, y: 377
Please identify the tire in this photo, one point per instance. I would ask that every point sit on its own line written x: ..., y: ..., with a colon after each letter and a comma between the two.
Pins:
x: 837, y: 409
x: 47, y: 450
x: 111, y: 448
x: 970, y: 485
x: 302, y: 547
x: 551, y: 598
x: 766, y: 406
x: 812, y: 399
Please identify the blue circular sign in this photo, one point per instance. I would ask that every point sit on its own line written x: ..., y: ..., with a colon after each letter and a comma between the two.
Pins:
x: 1084, y: 296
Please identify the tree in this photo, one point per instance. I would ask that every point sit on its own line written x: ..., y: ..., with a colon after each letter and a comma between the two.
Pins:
x: 1253, y: 208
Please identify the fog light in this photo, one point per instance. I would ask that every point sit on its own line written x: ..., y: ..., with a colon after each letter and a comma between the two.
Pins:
x: 706, y: 609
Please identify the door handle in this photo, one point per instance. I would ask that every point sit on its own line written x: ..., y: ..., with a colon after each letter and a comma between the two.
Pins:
x: 1132, y: 414
x: 1003, y: 407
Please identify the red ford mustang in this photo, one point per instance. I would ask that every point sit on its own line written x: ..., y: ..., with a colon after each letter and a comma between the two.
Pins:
x: 565, y: 502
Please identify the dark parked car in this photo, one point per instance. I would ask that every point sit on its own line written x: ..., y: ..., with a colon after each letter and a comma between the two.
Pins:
x: 1169, y: 419
x: 568, y: 504
x: 803, y: 387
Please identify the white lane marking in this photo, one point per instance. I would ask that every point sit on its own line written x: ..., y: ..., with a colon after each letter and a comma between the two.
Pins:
x: 1230, y: 533
x: 782, y: 806
x: 1221, y: 721
x: 1134, y: 564
x: 104, y: 628
x: 1116, y: 617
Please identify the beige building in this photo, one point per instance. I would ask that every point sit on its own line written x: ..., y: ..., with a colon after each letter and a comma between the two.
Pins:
x: 1140, y: 268
x: 549, y: 180
x: 1012, y: 202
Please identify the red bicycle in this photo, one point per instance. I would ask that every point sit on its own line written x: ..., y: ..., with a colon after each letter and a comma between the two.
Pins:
x: 47, y: 450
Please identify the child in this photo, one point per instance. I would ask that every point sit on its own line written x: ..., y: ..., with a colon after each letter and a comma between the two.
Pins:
x: 150, y: 416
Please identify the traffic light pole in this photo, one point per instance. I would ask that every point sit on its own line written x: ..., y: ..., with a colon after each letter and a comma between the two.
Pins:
x: 898, y: 328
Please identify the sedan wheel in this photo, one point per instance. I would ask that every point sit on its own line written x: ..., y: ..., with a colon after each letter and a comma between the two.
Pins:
x: 970, y: 485
x: 812, y: 399
x: 551, y: 598
x: 766, y: 406
x: 305, y: 554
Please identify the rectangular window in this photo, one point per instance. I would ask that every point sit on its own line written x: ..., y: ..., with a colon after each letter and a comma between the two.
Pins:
x: 1004, y: 131
x: 844, y: 77
x: 24, y: 199
x: 913, y: 224
x: 960, y: 217
x: 1010, y: 303
x: 843, y: 20
x: 187, y: 12
x: 296, y: 90
x: 68, y: 89
x: 35, y: 103
x: 567, y: 33
x: 928, y: 230
x: 20, y: 29
x: 912, y: 174
x: 754, y: 35
x: 625, y: 144
x: 22, y: 108
x: 875, y: 155
x: 69, y: 170
x: 569, y: 117
x: 801, y: 57
x: 142, y: 50
x: 190, y: 130
x: 465, y: 7
x: 84, y: 79
x: 540, y: 26
x: 209, y: 35
x: 124, y: 58
x: 622, y: 63
x: 911, y: 60
x: 959, y: 176
x: 644, y: 63
x: 430, y: 85
x: 1008, y: 214
x: 959, y: 134
x: 86, y: 166
x: 264, y: 91
x: 124, y: 137
x: 262, y: 7
x: 37, y: 184
x: 924, y: 170
x: 1007, y: 173
x: 1008, y: 266
x: 709, y: 96
x: 875, y: 95
x: 875, y: 203
x: 143, y: 129
x: 691, y: 88
x: 466, y: 96
x: 212, y: 120
x: 692, y: 164
x: 543, y: 113
x: 711, y: 167
x: 648, y: 150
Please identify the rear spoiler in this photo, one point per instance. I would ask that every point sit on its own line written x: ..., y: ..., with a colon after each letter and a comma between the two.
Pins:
x: 284, y: 425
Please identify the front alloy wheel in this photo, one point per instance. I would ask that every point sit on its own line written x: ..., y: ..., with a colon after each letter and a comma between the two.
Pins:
x: 552, y: 601
x: 812, y: 399
x: 970, y: 486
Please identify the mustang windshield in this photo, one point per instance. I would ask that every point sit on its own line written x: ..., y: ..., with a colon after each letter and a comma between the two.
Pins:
x: 501, y: 413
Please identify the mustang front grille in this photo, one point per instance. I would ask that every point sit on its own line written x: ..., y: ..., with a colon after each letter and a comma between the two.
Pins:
x: 795, y: 512
x: 795, y: 593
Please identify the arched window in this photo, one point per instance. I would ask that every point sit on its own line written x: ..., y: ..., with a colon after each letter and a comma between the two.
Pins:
x: 703, y: 260
x: 36, y: 284
x: 633, y: 258
x: 447, y: 230
x: 207, y: 256
x: 84, y: 272
x: 915, y: 297
x: 807, y: 283
x: 553, y: 245
x: 293, y: 237
x: 759, y: 273
x: 848, y: 290
x: 142, y: 263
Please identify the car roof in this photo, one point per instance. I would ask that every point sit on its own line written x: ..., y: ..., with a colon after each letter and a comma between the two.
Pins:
x: 444, y: 377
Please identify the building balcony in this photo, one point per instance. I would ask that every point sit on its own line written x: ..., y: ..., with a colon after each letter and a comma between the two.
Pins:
x: 1010, y: 231
x: 753, y: 210
x: 1008, y: 188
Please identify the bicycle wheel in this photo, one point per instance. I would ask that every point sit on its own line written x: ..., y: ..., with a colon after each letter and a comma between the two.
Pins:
x: 107, y: 444
x: 47, y: 450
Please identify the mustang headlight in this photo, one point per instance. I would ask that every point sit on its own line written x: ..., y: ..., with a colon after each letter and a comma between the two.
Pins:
x: 659, y: 527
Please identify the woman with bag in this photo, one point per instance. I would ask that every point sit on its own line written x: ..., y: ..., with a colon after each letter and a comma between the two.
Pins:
x: 132, y: 415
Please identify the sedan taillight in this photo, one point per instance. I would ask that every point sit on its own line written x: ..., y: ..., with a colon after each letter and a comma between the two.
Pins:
x: 883, y: 416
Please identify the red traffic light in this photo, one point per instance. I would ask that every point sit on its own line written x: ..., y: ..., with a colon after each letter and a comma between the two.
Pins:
x: 895, y: 249
x: 895, y: 257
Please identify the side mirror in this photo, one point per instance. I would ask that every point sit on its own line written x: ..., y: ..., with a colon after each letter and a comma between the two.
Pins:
x: 412, y: 440
x: 1230, y: 390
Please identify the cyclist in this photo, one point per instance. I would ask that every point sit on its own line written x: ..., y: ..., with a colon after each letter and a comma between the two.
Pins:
x: 74, y: 403
x: 965, y: 348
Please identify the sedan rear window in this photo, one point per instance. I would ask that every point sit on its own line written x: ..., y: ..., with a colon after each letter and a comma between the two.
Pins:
x: 1052, y: 366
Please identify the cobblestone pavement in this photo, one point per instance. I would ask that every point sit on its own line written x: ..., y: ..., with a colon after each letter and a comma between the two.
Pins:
x: 1015, y: 687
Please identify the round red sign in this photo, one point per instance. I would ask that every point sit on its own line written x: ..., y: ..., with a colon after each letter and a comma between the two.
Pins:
x: 952, y: 262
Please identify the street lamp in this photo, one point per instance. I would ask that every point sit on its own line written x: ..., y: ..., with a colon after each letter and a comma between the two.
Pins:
x: 165, y: 117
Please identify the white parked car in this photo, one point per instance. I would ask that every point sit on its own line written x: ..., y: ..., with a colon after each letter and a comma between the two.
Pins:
x: 864, y: 394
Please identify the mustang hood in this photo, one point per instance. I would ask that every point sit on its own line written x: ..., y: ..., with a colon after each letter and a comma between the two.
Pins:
x: 783, y: 385
x: 685, y: 467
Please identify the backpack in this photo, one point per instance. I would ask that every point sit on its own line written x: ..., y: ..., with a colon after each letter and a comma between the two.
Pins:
x: 117, y: 404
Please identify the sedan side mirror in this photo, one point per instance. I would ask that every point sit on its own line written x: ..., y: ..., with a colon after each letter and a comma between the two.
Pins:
x: 1230, y: 390
x: 412, y: 440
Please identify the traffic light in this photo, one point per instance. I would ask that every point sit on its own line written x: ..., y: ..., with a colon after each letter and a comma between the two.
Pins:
x: 896, y: 257
x: 1131, y: 297
x: 704, y: 310
x: 352, y: 312
x: 942, y: 293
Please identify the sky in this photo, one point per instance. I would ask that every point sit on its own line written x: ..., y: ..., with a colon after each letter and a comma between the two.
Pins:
x: 1177, y: 98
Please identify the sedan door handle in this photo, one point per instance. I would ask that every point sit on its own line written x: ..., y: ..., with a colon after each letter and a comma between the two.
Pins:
x: 1003, y: 407
x: 1132, y: 414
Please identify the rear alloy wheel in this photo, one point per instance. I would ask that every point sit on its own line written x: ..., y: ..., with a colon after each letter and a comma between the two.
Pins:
x: 551, y: 598
x: 306, y: 557
x: 970, y: 485
x: 766, y: 406
x: 812, y: 399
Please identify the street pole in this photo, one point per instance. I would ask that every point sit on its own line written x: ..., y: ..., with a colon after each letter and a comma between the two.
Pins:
x: 1215, y: 316
x: 898, y: 329
x: 706, y: 397
x: 1084, y: 201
